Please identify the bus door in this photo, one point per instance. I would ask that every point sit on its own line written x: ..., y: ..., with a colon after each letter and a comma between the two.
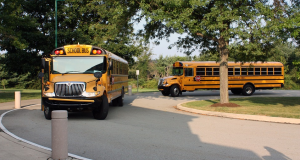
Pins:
x: 188, y: 79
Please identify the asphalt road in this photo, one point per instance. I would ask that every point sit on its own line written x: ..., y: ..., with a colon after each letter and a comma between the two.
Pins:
x: 148, y: 127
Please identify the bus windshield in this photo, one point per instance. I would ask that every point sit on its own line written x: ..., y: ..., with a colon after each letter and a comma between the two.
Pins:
x: 177, y: 71
x: 63, y: 65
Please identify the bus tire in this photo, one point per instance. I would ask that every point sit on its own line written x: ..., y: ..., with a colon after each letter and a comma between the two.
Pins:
x: 101, y: 111
x: 120, y: 101
x: 236, y: 91
x: 165, y: 93
x: 47, y: 112
x: 248, y: 90
x: 174, y: 90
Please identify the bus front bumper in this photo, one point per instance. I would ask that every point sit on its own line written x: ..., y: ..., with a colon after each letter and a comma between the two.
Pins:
x: 71, y: 103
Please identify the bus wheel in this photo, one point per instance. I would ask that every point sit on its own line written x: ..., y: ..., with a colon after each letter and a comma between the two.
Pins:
x: 101, y: 111
x: 165, y: 93
x: 120, y: 101
x: 236, y: 91
x: 174, y: 91
x: 47, y: 112
x: 248, y: 90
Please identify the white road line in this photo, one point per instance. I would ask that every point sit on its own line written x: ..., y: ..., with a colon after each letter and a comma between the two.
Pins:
x: 31, y: 143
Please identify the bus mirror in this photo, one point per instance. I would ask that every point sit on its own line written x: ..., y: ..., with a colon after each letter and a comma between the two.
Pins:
x: 43, y: 63
x: 98, y: 74
x: 110, y: 65
x: 41, y: 75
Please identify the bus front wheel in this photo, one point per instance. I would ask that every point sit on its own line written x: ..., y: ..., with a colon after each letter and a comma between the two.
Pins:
x: 100, y: 112
x: 248, y: 90
x: 47, y: 112
x: 174, y: 91
x: 165, y: 93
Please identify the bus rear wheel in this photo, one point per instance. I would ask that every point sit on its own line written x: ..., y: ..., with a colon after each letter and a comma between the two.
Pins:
x: 47, y: 112
x: 248, y: 90
x: 101, y: 111
x: 174, y: 90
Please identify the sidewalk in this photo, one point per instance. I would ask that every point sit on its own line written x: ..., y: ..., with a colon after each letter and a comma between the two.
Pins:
x: 14, y: 149
x: 241, y: 116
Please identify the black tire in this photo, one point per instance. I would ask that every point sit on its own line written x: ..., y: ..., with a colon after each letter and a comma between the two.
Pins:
x: 101, y: 111
x: 165, y: 93
x: 120, y: 101
x: 236, y: 91
x: 47, y: 112
x: 174, y: 90
x: 248, y: 90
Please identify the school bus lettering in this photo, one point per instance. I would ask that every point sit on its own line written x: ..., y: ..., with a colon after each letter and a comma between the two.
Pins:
x: 243, y: 78
x: 83, y: 77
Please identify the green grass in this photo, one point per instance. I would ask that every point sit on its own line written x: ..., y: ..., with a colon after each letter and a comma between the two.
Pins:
x: 288, y: 107
x: 141, y: 90
x: 8, y: 95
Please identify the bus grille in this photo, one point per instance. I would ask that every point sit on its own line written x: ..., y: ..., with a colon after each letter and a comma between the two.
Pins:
x: 69, y: 89
x: 160, y: 82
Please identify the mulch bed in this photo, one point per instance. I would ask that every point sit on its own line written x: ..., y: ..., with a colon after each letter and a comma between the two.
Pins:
x: 225, y: 105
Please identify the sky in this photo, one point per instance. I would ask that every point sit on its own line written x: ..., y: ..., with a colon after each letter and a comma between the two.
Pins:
x: 162, y: 48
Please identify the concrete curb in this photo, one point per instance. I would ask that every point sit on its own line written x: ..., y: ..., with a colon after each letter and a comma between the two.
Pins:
x: 240, y: 116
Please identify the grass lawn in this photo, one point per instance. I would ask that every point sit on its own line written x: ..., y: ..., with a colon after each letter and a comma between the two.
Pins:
x: 134, y: 90
x: 8, y: 95
x: 288, y: 107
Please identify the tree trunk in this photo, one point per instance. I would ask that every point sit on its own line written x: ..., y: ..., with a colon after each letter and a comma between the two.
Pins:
x: 223, y: 50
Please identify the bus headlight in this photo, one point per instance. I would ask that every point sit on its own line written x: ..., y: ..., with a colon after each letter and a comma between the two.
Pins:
x: 90, y: 94
x: 49, y: 94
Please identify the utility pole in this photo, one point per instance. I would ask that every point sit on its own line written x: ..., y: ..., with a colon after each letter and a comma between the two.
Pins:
x: 56, y: 21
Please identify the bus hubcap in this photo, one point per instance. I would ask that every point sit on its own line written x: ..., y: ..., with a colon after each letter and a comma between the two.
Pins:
x: 176, y: 91
x: 248, y: 90
x: 47, y: 110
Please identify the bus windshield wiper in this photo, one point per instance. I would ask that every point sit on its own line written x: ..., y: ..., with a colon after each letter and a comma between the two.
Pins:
x: 69, y: 72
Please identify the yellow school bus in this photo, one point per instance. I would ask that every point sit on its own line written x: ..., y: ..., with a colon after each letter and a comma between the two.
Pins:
x: 83, y: 77
x: 243, y: 78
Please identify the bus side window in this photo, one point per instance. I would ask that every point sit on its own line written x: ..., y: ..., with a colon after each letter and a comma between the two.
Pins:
x: 237, y: 71
x: 189, y: 72
x: 216, y: 71
x: 250, y: 71
x: 230, y: 71
x: 270, y: 71
x: 244, y: 71
x: 277, y: 71
x: 108, y: 71
x: 257, y: 71
x: 263, y: 71
x: 200, y: 71
x: 208, y: 71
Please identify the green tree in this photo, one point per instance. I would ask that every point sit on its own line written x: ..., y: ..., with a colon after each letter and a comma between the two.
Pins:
x: 27, y: 29
x: 251, y: 27
x: 4, y: 83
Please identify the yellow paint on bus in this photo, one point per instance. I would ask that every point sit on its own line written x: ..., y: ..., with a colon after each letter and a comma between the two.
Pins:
x: 83, y: 77
x: 243, y: 78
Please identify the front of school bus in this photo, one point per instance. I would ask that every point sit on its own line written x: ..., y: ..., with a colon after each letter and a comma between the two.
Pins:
x: 172, y: 84
x: 75, y: 79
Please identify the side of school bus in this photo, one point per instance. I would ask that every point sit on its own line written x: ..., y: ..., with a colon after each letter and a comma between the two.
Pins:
x: 83, y: 77
x: 243, y: 78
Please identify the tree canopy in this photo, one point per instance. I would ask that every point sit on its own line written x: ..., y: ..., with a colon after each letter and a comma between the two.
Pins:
x: 246, y: 28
